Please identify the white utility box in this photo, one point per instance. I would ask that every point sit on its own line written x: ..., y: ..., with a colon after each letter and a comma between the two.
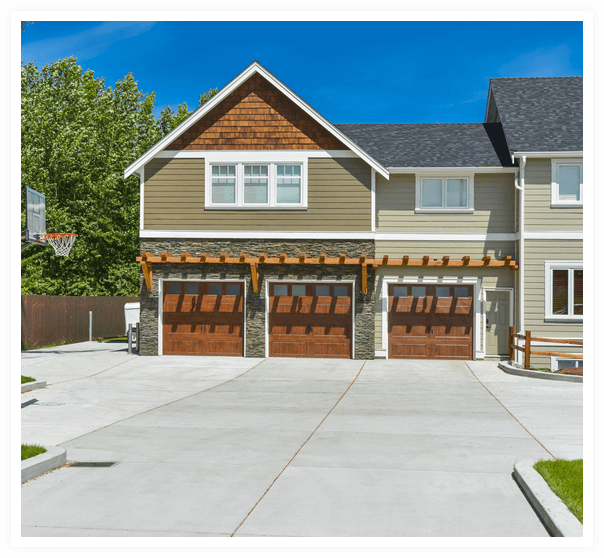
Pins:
x: 132, y: 314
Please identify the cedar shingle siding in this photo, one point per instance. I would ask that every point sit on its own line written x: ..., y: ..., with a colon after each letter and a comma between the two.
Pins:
x: 256, y: 116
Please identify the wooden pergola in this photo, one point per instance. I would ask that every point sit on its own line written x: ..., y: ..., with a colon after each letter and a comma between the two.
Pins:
x: 147, y: 259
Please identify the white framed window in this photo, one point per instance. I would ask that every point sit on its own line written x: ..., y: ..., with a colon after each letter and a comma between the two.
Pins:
x: 444, y: 194
x: 256, y: 185
x: 567, y: 182
x: 564, y: 291
x: 560, y: 363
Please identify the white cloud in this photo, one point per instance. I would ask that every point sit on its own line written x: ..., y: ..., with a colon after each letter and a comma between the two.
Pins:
x: 85, y: 44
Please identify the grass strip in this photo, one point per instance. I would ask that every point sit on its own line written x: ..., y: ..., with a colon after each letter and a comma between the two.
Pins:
x: 31, y: 451
x: 565, y: 478
x: 26, y: 379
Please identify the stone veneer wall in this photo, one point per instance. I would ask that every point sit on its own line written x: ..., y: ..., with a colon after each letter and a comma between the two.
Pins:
x: 255, y: 303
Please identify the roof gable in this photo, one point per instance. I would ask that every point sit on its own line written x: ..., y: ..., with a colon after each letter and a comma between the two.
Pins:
x: 540, y: 114
x: 225, y: 92
x: 256, y: 115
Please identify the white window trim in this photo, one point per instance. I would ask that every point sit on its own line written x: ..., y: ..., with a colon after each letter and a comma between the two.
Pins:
x: 556, y: 202
x: 419, y: 177
x: 270, y: 158
x: 549, y: 287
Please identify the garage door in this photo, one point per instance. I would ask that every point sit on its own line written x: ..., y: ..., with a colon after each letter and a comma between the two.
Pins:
x: 203, y: 318
x: 310, y: 320
x: 430, y: 321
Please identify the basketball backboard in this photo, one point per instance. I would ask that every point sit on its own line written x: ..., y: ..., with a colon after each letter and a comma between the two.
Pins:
x: 35, y: 217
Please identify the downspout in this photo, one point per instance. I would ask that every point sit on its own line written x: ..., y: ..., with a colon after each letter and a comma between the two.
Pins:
x: 520, y: 187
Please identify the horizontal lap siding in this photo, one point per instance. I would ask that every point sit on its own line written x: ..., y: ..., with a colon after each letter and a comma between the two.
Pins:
x: 339, y: 199
x: 417, y: 249
x: 493, y: 207
x: 538, y: 213
x: 536, y: 253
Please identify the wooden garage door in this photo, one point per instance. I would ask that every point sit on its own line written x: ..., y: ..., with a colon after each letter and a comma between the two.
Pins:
x: 430, y: 321
x: 310, y: 320
x: 203, y: 318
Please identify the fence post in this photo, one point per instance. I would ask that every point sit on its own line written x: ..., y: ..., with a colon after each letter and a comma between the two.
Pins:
x: 511, y: 342
x: 527, y: 351
x: 90, y: 325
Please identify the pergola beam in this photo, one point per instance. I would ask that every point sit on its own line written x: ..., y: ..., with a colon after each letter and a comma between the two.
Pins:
x: 146, y: 260
x: 466, y: 261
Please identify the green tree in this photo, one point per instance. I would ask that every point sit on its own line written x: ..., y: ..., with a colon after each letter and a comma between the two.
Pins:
x: 77, y: 137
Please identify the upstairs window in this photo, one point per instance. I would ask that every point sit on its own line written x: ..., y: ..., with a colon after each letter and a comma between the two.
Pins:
x: 442, y: 194
x: 567, y: 182
x: 256, y: 185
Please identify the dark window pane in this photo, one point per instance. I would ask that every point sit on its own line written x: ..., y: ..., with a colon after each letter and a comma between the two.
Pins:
x: 340, y: 290
x: 443, y: 292
x: 215, y: 289
x: 280, y: 290
x: 578, y: 294
x: 462, y: 292
x: 560, y: 292
x: 174, y: 288
x: 192, y: 289
x: 322, y: 290
x: 298, y: 290
x: 233, y: 289
x: 418, y: 292
x: 400, y: 291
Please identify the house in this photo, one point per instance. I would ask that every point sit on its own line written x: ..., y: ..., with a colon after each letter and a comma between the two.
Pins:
x: 266, y: 230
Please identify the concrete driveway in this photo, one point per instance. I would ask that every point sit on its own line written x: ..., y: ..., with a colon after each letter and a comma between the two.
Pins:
x: 287, y: 447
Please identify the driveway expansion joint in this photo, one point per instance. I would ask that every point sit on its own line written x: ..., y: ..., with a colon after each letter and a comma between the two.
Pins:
x: 300, y: 448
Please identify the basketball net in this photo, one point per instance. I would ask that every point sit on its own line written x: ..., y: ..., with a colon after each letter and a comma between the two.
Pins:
x: 61, y: 242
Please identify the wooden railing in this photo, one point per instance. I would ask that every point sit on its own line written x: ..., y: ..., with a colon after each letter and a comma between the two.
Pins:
x: 528, y: 350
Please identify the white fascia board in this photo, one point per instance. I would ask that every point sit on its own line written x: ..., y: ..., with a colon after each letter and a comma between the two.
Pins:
x: 451, y: 170
x: 546, y: 154
x: 254, y: 67
x: 277, y: 235
x: 313, y: 235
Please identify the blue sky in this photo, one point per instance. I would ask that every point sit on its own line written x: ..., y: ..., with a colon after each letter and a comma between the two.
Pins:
x: 348, y: 71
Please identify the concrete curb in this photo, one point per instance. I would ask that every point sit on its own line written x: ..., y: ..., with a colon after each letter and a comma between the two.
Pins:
x: 551, y: 510
x: 32, y: 385
x: 509, y: 368
x: 35, y: 466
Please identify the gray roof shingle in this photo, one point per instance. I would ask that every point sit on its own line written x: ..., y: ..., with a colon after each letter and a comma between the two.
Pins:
x: 432, y: 145
x: 541, y: 114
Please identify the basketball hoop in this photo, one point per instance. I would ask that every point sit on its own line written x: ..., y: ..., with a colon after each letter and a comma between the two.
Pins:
x: 61, y: 242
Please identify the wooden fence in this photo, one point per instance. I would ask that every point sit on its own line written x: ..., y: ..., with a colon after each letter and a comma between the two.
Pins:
x: 56, y: 320
x: 528, y: 350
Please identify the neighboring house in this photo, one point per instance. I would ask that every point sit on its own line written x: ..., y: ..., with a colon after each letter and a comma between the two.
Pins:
x: 268, y: 231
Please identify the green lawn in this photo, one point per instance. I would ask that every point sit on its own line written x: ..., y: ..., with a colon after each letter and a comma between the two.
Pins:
x: 26, y: 379
x: 31, y: 451
x: 565, y: 478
